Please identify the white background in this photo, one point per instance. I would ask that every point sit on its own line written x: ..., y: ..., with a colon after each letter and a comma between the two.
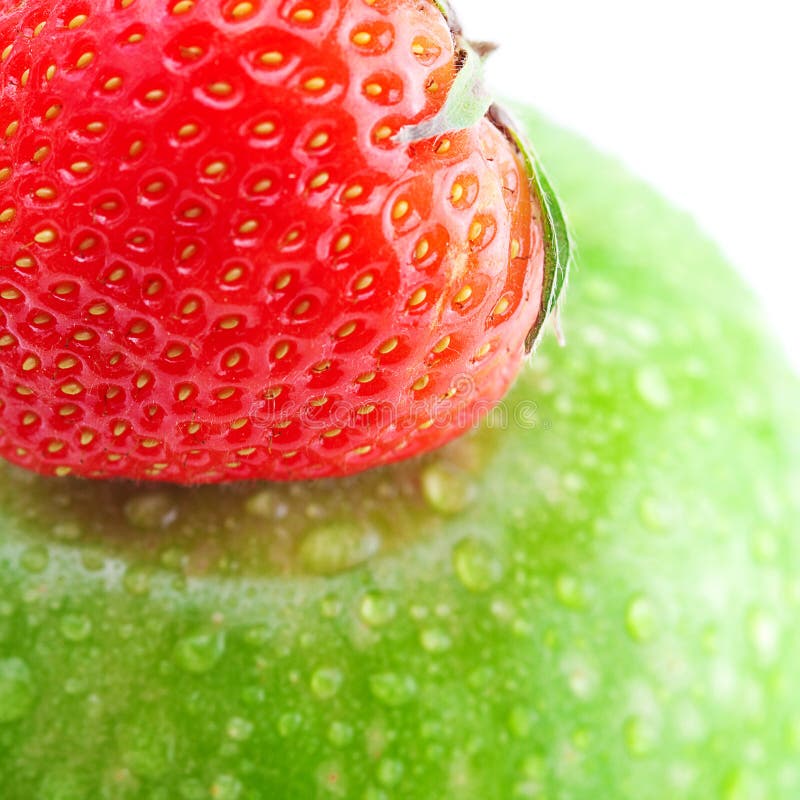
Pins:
x: 700, y: 97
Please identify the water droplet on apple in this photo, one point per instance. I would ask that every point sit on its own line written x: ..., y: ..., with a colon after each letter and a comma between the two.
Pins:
x: 393, y: 689
x: 226, y: 787
x: 338, y: 547
x: 446, y: 489
x: 569, y: 591
x: 640, y: 619
x: 326, y: 682
x: 35, y: 558
x: 653, y: 388
x: 199, y: 652
x: 17, y: 692
x: 340, y: 733
x: 239, y: 729
x: 289, y: 723
x: 640, y: 736
x: 390, y: 772
x: 376, y: 609
x: 476, y: 565
x: 75, y: 627
x: 435, y: 640
x: 137, y: 580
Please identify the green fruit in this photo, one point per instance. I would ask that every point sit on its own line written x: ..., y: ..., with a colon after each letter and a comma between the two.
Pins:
x: 593, y: 597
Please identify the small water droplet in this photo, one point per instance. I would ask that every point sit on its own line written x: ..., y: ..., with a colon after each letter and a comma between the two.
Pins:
x: 257, y: 636
x: 476, y: 565
x: 261, y: 504
x: 331, y: 606
x: 640, y: 619
x: 377, y: 609
x: 340, y: 733
x: 239, y: 729
x: 570, y: 591
x: 67, y: 531
x: 16, y: 689
x: 764, y: 634
x: 35, y: 558
x: 653, y: 514
x: 446, y: 489
x: 226, y: 787
x: 640, y: 735
x: 92, y: 560
x: 75, y: 627
x: 435, y: 640
x: 150, y: 511
x: 326, y: 682
x: 253, y: 695
x: 137, y: 580
x: 199, y: 652
x: 521, y: 722
x: 393, y: 689
x: 338, y: 547
x: 289, y: 723
x: 653, y: 388
x: 390, y: 772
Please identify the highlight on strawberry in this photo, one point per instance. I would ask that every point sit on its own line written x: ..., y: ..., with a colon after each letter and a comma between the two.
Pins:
x: 277, y: 240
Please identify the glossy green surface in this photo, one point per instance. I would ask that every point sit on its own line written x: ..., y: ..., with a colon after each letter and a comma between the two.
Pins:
x: 596, y: 598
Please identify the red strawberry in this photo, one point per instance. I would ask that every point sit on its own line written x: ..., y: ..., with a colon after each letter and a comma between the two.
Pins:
x: 219, y: 261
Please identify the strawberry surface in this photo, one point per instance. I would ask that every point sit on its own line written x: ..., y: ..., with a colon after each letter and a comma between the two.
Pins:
x: 216, y: 261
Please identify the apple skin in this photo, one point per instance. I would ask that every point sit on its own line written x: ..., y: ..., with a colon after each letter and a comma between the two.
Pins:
x: 595, y: 598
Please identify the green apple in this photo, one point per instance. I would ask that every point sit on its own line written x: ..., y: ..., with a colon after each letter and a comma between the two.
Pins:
x: 595, y: 596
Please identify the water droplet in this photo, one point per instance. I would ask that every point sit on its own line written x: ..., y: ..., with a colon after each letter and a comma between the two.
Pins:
x: 653, y: 514
x: 75, y: 627
x: 226, y: 787
x: 521, y: 722
x: 340, y: 733
x: 289, y: 723
x: 446, y: 489
x: 326, y: 682
x: 476, y: 565
x: 239, y: 729
x: 570, y: 592
x: 390, y: 772
x: 338, y: 547
x: 199, y: 652
x: 67, y: 531
x: 257, y: 636
x: 137, y: 580
x: 377, y: 609
x: 35, y: 558
x: 640, y: 736
x: 653, y: 388
x: 435, y: 640
x: 253, y: 695
x: 261, y: 504
x: 16, y: 689
x: 150, y: 511
x: 640, y: 619
x: 92, y: 561
x: 764, y: 634
x: 331, y: 606
x: 392, y: 689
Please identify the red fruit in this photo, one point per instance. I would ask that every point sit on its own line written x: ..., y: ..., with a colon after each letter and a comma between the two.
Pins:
x: 217, y: 263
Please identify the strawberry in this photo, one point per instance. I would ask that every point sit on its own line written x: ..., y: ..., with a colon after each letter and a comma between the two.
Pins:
x: 251, y: 239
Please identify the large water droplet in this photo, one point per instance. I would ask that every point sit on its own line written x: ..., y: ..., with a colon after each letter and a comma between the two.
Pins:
x: 446, y: 489
x: 338, y: 547
x: 199, y: 652
x: 377, y: 609
x: 326, y: 682
x: 16, y: 689
x: 392, y: 689
x: 640, y: 619
x: 476, y: 565
x: 75, y: 627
